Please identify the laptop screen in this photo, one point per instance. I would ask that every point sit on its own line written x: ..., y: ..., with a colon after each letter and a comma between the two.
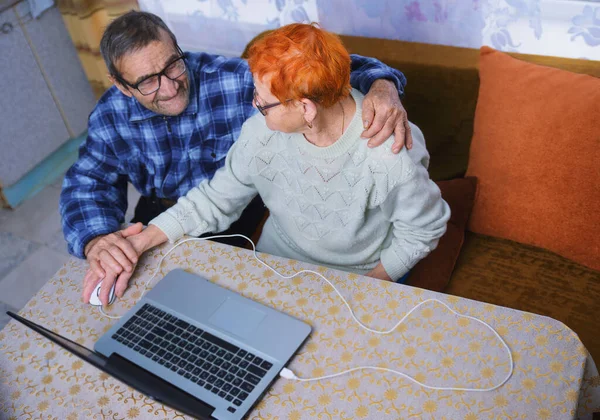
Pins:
x: 78, y: 350
x: 130, y: 374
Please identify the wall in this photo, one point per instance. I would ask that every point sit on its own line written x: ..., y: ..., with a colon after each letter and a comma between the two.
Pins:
x: 45, y: 101
x: 565, y: 28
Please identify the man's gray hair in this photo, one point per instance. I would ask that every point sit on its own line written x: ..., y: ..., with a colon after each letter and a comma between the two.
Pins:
x: 130, y: 32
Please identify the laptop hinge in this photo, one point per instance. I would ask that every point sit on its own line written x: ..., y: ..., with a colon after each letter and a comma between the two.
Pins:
x: 156, y: 388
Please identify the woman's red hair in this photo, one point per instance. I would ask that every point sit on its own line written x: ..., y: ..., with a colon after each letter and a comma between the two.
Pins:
x: 303, y: 61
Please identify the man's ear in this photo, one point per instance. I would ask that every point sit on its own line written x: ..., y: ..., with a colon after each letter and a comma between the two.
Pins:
x: 310, y: 110
x: 124, y: 90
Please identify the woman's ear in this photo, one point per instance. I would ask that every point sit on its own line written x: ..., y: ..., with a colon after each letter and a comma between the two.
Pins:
x: 310, y: 110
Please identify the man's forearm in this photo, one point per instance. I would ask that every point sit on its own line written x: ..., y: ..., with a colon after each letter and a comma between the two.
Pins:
x: 366, y: 70
x: 87, y: 220
x: 382, y: 84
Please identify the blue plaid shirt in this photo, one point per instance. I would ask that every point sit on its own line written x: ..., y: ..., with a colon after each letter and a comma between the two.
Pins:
x: 129, y: 143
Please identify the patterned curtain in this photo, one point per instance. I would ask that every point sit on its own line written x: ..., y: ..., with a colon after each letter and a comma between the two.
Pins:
x: 85, y: 20
x: 561, y: 28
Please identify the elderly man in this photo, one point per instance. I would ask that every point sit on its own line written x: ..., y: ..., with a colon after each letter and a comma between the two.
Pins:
x: 167, y: 124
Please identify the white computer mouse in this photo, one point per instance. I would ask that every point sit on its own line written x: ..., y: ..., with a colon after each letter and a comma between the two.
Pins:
x: 95, y: 297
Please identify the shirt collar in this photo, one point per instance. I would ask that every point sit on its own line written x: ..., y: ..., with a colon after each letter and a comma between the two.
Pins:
x: 140, y: 113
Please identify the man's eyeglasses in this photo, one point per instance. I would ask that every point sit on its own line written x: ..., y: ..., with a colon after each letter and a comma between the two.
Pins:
x: 151, y: 84
x: 263, y: 108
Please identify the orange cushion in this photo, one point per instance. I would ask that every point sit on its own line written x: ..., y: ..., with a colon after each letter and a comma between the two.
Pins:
x: 536, y: 155
x: 434, y: 271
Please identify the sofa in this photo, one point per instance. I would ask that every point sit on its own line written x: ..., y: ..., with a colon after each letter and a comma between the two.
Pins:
x: 441, y: 98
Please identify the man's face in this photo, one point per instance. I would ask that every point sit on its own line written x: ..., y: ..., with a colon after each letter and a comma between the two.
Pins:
x: 173, y: 96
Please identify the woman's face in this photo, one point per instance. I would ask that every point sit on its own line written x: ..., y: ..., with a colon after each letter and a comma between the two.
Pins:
x: 287, y: 118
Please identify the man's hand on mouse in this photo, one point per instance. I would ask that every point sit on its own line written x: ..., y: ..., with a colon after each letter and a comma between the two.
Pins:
x: 114, y: 249
x: 91, y: 280
x: 104, y: 267
x: 140, y: 240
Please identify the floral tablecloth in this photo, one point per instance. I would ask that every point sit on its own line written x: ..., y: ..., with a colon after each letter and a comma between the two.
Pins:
x: 554, y: 377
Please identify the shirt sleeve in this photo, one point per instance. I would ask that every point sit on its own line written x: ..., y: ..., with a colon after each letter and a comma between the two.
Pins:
x: 215, y: 204
x: 366, y: 70
x: 93, y: 200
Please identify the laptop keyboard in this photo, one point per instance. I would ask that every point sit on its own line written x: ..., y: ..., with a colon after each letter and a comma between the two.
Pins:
x: 214, y: 364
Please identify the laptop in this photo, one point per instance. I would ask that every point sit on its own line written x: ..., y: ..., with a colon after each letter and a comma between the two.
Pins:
x: 195, y: 346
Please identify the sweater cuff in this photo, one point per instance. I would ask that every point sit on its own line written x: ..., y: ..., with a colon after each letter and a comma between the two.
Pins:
x: 169, y: 225
x: 393, y: 266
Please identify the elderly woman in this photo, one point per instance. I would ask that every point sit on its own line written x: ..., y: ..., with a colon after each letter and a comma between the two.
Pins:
x: 333, y: 201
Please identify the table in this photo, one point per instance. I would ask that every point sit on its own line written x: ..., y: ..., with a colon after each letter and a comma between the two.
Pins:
x: 554, y: 377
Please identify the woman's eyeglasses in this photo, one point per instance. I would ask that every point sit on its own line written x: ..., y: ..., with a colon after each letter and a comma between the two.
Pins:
x: 263, y: 108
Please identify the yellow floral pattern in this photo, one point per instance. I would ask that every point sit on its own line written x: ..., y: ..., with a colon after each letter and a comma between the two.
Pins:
x: 554, y: 376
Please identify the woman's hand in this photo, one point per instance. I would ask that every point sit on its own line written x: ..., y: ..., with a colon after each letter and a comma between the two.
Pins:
x: 383, y: 114
x: 147, y: 239
x: 379, y: 273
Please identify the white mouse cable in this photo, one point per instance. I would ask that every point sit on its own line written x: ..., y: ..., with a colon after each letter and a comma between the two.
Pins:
x: 288, y: 374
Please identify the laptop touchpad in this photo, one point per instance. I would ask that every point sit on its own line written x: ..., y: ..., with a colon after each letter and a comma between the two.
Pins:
x: 237, y: 318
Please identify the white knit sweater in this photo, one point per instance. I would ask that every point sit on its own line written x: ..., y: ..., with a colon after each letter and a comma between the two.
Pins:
x: 344, y: 206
